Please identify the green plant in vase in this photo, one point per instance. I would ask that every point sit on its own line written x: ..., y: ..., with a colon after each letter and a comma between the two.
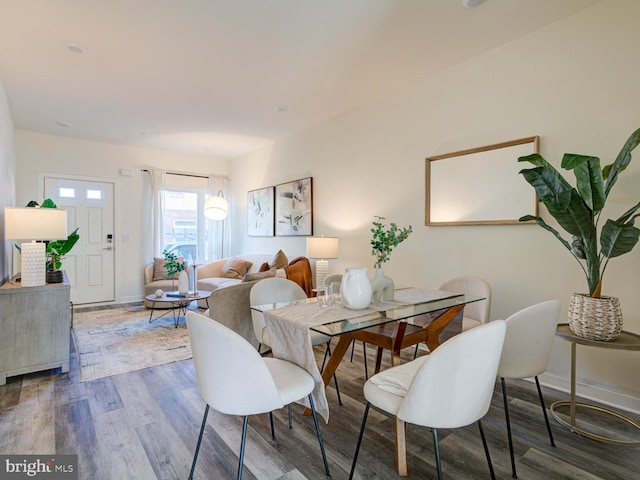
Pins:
x: 56, y: 249
x: 172, y: 264
x: 383, y: 240
x: 578, y: 210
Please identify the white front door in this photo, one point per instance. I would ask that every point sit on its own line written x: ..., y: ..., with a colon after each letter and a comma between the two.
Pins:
x: 90, y: 264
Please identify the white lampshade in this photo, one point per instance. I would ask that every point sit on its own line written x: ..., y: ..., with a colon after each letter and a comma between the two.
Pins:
x: 30, y: 223
x: 216, y: 208
x: 322, y: 248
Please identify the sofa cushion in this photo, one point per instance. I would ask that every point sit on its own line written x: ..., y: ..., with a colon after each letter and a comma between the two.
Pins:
x: 250, y: 277
x: 212, y: 283
x: 279, y: 260
x: 264, y: 267
x: 160, y: 270
x: 236, y: 268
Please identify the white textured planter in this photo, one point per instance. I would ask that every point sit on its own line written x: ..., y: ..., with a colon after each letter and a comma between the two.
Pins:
x: 595, y: 318
x: 382, y: 287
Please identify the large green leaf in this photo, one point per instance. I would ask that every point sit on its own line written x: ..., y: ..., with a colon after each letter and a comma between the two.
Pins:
x: 618, y: 238
x: 576, y: 218
x: 612, y: 171
x: 627, y: 217
x: 589, y: 181
x: 549, y: 185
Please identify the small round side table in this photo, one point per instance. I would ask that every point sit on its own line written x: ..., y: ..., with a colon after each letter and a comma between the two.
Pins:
x: 625, y: 341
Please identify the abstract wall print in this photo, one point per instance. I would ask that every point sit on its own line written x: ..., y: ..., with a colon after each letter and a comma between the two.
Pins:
x: 294, y: 208
x: 260, y: 212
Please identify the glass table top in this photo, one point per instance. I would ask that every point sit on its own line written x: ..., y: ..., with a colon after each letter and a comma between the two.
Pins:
x: 340, y: 320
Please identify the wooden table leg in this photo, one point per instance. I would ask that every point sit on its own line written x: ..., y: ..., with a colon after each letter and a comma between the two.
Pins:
x: 439, y: 324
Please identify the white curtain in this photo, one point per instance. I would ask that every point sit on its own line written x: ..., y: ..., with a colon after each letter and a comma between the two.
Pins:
x: 154, y: 193
x: 218, y: 238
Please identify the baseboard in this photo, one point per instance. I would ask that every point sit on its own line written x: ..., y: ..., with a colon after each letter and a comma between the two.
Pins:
x: 616, y: 400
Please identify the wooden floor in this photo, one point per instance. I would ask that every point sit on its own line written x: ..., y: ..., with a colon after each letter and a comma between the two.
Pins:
x: 144, y: 425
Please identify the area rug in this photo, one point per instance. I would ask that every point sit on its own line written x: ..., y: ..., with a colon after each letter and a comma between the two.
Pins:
x: 119, y: 340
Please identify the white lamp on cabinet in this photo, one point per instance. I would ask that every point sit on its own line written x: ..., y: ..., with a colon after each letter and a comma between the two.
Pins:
x: 30, y: 224
x: 323, y: 249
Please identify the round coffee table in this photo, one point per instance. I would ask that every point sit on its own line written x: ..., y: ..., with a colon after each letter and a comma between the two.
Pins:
x: 178, y: 302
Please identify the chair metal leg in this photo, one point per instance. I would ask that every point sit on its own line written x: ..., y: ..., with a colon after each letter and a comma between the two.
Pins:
x: 327, y: 352
x: 486, y: 450
x: 544, y: 412
x: 353, y: 347
x: 195, y: 455
x: 436, y: 447
x: 315, y: 421
x: 506, y: 414
x: 364, y: 355
x: 273, y: 431
x: 355, y: 455
x: 335, y: 379
x: 290, y: 417
x: 242, y: 444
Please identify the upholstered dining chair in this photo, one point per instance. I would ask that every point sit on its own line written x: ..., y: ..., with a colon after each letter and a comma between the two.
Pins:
x: 475, y: 313
x: 527, y: 347
x: 274, y: 290
x: 234, y: 379
x: 450, y: 388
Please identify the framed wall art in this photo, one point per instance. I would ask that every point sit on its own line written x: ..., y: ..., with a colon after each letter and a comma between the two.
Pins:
x: 294, y: 208
x: 480, y: 185
x: 260, y: 212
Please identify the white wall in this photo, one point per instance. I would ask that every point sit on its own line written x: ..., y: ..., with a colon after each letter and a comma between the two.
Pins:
x: 41, y: 154
x: 7, y: 179
x: 574, y: 83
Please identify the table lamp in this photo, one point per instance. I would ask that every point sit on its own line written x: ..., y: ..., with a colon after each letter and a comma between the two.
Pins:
x: 322, y: 248
x: 30, y: 224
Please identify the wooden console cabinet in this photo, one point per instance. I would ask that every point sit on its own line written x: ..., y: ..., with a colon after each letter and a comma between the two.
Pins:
x: 34, y: 328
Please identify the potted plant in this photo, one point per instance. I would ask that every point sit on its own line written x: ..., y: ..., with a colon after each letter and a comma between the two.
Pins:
x: 174, y: 266
x: 383, y: 240
x: 57, y: 249
x: 578, y: 210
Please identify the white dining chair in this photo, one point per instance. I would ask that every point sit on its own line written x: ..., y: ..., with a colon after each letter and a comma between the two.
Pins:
x: 475, y: 313
x: 274, y: 290
x: 234, y: 379
x: 450, y: 388
x: 527, y: 347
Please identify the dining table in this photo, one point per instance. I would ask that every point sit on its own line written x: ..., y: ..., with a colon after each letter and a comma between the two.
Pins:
x: 290, y: 324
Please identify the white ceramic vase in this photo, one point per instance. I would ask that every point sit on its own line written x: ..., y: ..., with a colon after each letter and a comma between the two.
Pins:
x: 355, y: 289
x: 382, y: 287
x: 183, y: 282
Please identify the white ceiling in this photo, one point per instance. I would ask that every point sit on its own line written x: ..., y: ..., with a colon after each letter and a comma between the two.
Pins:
x: 207, y: 77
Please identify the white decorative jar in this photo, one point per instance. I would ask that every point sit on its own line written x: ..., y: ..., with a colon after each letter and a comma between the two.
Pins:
x: 355, y: 289
x: 183, y: 282
x: 382, y: 287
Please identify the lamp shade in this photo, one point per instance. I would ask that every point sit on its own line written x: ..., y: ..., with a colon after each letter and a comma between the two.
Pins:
x: 322, y: 247
x: 216, y: 208
x: 30, y: 223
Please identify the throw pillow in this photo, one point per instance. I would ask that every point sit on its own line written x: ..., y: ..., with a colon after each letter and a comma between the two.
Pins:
x: 160, y: 271
x: 250, y: 277
x: 264, y: 267
x: 279, y: 260
x: 236, y: 268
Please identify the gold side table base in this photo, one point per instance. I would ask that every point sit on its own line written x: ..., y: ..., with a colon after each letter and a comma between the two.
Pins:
x: 625, y: 341
x: 581, y: 431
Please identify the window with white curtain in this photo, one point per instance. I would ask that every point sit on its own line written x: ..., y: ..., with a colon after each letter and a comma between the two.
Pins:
x: 185, y: 228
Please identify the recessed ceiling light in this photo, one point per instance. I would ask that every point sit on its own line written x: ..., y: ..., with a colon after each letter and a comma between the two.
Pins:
x: 471, y: 3
x: 76, y: 47
x: 64, y: 124
x: 282, y: 108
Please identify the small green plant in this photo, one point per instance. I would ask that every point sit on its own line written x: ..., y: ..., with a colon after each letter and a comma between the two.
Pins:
x: 56, y: 249
x: 172, y: 264
x: 385, y: 239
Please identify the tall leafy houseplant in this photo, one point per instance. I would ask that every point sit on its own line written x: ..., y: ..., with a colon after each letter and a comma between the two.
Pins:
x: 578, y: 209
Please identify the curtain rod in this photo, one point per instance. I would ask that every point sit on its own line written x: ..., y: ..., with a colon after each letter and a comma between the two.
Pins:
x: 184, y: 174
